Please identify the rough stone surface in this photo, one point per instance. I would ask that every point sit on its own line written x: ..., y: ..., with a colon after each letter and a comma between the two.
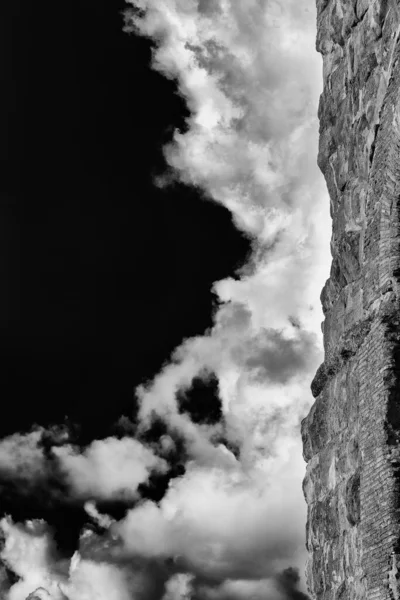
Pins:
x: 351, y: 436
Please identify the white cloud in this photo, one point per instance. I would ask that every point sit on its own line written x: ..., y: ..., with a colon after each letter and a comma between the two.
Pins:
x: 97, y: 581
x: 109, y: 468
x: 224, y: 524
x: 179, y: 587
x: 103, y: 520
x: 251, y: 78
x: 29, y: 551
x: 21, y: 456
x: 106, y: 469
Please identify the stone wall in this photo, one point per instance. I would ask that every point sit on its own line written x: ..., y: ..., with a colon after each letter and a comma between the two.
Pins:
x: 351, y: 437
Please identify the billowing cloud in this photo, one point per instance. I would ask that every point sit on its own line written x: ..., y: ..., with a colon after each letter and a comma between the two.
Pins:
x: 106, y: 469
x: 250, y: 79
x: 236, y: 345
x: 29, y: 551
x: 222, y: 524
x: 179, y: 587
x: 109, y: 468
x: 21, y: 456
x: 90, y: 580
x: 250, y: 76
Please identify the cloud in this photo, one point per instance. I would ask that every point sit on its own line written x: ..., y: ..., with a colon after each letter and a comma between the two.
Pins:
x: 101, y: 581
x: 29, y: 551
x: 251, y: 78
x: 223, y: 524
x: 103, y: 520
x: 223, y: 528
x: 106, y: 469
x: 262, y: 354
x: 109, y: 468
x: 179, y: 587
x: 21, y: 456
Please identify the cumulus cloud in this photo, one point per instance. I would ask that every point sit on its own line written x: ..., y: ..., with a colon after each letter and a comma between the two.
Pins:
x: 221, y: 529
x: 251, y: 79
x: 21, y: 456
x: 263, y: 355
x: 109, y: 468
x: 106, y: 469
x: 29, y: 551
x: 179, y: 587
x: 222, y: 524
x: 90, y: 580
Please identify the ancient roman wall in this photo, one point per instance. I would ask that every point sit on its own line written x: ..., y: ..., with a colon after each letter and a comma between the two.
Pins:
x: 351, y: 436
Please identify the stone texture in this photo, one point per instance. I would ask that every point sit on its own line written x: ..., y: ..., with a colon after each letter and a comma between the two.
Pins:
x: 351, y: 436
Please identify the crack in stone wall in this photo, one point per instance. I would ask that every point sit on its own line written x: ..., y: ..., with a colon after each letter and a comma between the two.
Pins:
x: 351, y: 436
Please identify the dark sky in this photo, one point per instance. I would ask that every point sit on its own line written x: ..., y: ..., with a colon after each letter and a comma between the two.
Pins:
x: 103, y: 274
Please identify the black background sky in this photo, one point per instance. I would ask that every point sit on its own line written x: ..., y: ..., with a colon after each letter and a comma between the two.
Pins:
x: 103, y: 274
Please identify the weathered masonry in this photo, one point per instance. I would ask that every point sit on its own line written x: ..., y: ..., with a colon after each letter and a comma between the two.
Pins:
x: 351, y: 436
